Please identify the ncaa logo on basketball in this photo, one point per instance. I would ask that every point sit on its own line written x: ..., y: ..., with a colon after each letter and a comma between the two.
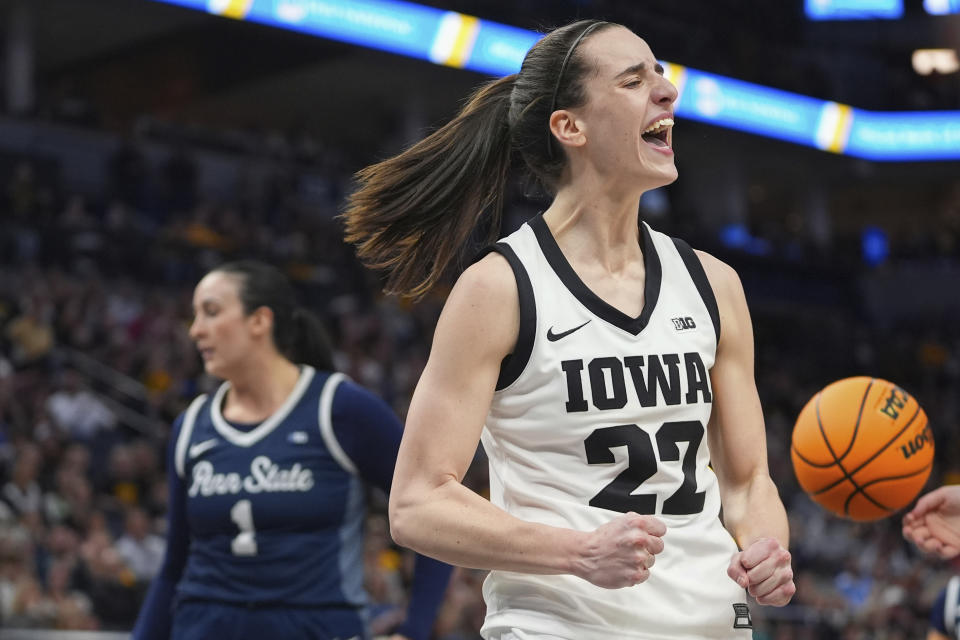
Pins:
x: 896, y: 401
x: 683, y: 324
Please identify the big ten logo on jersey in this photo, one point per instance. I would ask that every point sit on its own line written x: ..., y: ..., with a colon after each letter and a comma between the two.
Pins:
x: 652, y: 377
x: 264, y: 477
x: 685, y: 323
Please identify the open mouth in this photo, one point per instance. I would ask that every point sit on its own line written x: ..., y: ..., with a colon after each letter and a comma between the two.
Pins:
x: 658, y: 133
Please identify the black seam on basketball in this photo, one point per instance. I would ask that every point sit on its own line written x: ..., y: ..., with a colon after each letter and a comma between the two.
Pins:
x: 863, y: 489
x: 846, y: 505
x: 906, y: 475
x: 856, y: 427
x: 846, y: 476
x: 892, y: 440
x: 816, y: 465
x: 860, y: 489
x: 870, y: 459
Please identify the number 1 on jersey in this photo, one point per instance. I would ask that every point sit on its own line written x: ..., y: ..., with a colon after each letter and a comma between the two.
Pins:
x: 245, y: 544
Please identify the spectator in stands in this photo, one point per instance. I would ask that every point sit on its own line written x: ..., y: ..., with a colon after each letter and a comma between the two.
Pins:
x: 140, y: 549
x: 72, y: 609
x: 31, y: 334
x: 22, y: 493
x: 77, y: 411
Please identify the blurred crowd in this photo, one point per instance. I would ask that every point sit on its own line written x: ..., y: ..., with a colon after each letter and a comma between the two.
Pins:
x: 95, y: 363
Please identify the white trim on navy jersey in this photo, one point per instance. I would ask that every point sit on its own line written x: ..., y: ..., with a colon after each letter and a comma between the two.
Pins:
x: 186, y: 430
x: 950, y: 607
x: 351, y: 543
x: 248, y: 438
x: 326, y: 422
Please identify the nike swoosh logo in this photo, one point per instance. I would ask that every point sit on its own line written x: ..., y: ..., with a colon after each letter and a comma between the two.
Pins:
x: 553, y: 337
x: 200, y: 447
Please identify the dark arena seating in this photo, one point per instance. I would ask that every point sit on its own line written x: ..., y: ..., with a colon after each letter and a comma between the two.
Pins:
x: 143, y: 143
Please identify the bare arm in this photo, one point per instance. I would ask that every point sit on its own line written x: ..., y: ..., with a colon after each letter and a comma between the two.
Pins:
x: 433, y: 513
x: 752, y: 510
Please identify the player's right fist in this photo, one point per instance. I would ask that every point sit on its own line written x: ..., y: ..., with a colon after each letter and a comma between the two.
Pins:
x: 620, y: 553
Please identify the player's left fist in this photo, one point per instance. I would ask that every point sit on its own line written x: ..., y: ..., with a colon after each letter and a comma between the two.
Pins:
x: 764, y: 570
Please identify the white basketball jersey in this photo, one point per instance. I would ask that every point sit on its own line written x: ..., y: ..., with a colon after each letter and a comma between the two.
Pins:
x: 596, y: 414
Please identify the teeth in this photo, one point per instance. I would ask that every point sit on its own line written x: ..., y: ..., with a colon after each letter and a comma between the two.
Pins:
x: 659, y: 124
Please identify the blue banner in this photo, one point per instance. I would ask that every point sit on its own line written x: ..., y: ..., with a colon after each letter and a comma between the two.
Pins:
x: 499, y: 49
x: 459, y: 40
x: 748, y: 107
x: 922, y: 135
x: 853, y: 9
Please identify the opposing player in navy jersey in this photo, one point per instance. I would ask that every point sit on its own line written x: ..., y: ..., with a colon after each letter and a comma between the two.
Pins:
x: 266, y: 508
x: 606, y: 368
x: 945, y: 614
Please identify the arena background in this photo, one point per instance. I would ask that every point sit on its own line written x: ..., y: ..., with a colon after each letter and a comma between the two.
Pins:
x: 141, y: 143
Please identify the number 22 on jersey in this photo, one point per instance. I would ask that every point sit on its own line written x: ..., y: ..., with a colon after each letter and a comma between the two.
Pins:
x: 642, y: 465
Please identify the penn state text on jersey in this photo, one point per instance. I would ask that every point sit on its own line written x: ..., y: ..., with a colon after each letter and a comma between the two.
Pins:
x: 271, y: 515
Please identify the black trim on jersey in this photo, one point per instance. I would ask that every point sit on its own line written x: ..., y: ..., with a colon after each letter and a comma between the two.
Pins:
x: 695, y: 267
x: 593, y: 302
x: 514, y: 364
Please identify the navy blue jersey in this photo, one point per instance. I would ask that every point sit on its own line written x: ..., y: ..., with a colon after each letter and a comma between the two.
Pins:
x: 275, y: 512
x: 945, y: 615
x: 272, y: 514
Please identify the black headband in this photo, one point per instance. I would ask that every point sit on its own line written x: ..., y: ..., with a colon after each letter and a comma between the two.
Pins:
x: 563, y: 68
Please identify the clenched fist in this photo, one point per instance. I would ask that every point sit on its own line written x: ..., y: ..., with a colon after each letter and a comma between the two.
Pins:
x: 621, y: 552
x: 764, y: 570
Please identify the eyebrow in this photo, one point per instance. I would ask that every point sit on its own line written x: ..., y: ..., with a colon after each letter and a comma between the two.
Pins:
x: 637, y: 69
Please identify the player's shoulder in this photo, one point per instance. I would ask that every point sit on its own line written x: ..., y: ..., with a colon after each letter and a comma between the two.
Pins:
x: 349, y: 394
x: 491, y: 274
x: 482, y: 312
x: 487, y: 286
x: 191, y: 412
x: 716, y: 268
x: 723, y: 278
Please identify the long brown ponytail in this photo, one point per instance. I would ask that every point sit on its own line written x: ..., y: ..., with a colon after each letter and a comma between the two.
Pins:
x: 413, y: 214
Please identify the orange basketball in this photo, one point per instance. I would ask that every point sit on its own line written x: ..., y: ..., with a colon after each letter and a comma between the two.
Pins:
x: 862, y: 448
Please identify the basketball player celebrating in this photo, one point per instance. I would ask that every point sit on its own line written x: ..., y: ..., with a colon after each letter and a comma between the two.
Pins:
x: 266, y: 501
x: 606, y: 368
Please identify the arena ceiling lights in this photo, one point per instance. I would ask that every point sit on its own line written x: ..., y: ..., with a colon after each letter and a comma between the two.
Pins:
x: 941, y: 7
x: 853, y: 9
x: 466, y: 42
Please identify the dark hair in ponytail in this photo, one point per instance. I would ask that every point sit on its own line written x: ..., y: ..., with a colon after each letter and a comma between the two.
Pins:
x: 412, y: 214
x: 298, y: 334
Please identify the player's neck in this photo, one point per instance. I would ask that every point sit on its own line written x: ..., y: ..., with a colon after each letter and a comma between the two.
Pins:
x: 596, y: 225
x: 260, y: 390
